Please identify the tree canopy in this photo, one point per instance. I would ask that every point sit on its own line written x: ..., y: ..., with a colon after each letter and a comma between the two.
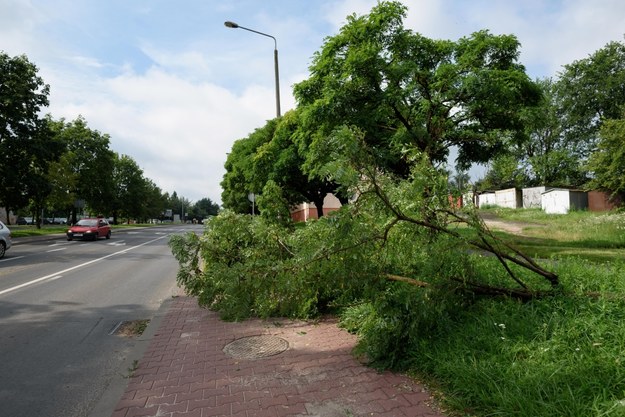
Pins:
x: 590, y: 91
x: 26, y: 145
x: 402, y: 89
x: 240, y: 179
x: 608, y: 162
x: 563, y: 131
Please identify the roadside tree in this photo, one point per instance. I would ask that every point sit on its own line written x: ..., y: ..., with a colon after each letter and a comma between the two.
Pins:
x: 26, y: 145
x: 401, y: 89
x: 155, y: 202
x: 607, y: 163
x: 239, y: 180
x: 282, y: 162
x: 204, y: 208
x: 590, y: 91
x: 130, y: 190
x: 86, y: 169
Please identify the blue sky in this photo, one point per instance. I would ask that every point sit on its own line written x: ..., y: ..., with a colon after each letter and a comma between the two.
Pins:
x: 174, y: 88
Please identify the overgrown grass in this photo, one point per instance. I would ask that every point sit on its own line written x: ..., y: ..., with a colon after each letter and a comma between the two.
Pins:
x: 596, y: 237
x: 561, y: 354
x: 557, y: 356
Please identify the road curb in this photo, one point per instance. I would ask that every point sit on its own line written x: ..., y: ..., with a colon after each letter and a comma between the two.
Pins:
x: 117, y: 386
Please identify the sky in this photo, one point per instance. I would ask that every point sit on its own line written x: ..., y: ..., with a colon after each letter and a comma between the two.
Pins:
x: 174, y: 88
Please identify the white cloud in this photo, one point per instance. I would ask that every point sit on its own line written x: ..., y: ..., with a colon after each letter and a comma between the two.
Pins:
x: 178, y: 131
x: 336, y: 13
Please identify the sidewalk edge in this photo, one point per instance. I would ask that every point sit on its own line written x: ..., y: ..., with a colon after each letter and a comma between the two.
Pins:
x: 105, y: 406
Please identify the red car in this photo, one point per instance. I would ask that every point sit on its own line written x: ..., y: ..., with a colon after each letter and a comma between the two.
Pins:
x: 90, y: 229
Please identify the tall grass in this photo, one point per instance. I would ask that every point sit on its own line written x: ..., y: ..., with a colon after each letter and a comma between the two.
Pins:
x: 597, y: 237
x: 557, y: 356
x: 577, y: 225
x: 560, y: 355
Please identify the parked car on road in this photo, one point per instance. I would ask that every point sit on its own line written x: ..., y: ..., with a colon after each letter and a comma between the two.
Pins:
x: 89, y: 229
x: 5, y: 239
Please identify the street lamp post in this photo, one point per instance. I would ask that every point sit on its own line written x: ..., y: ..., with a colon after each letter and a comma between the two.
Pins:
x: 275, y: 58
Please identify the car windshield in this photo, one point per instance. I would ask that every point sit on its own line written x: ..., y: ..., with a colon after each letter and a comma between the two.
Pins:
x: 87, y: 222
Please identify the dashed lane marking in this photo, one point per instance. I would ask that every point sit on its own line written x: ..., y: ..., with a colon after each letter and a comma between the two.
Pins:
x: 54, y: 275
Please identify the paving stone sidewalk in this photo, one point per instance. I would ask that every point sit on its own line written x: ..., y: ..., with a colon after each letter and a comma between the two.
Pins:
x: 199, y: 366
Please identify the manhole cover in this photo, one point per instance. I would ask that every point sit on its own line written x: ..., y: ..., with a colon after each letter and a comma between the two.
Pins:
x: 253, y: 347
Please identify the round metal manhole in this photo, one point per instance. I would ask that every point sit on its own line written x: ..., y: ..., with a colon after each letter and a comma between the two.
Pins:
x: 254, y: 347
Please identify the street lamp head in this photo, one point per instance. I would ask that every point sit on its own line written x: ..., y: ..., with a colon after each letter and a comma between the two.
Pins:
x: 233, y: 25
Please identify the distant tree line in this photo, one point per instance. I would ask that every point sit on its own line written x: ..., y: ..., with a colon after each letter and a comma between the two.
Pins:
x: 66, y: 168
x: 400, y: 90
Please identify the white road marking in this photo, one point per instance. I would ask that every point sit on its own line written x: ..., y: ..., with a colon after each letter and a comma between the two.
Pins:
x: 58, y: 243
x: 26, y: 284
x: 11, y: 259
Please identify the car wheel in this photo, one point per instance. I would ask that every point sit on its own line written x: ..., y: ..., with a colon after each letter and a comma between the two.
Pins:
x: 108, y: 235
x: 3, y: 249
x: 95, y: 237
x: 69, y: 238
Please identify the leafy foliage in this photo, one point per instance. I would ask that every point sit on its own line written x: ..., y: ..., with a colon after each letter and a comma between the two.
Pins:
x: 245, y: 265
x: 240, y: 178
x: 26, y: 144
x: 590, y: 91
x: 401, y: 89
x: 239, y: 254
x: 608, y: 161
x: 87, y: 170
x: 273, y: 206
x: 271, y: 154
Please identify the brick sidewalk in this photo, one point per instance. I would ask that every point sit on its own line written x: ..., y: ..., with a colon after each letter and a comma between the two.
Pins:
x: 185, y: 372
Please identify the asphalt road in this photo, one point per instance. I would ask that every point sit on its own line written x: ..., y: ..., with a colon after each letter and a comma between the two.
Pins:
x: 60, y: 304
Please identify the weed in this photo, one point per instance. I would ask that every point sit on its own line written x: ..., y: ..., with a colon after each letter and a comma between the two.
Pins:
x: 132, y: 369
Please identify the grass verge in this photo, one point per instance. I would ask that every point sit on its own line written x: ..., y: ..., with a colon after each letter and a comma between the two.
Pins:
x: 595, y: 237
x: 557, y: 355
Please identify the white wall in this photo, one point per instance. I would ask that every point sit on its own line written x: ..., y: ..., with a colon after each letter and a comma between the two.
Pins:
x: 560, y: 200
x: 487, y: 199
x: 555, y: 201
x: 532, y: 197
x: 510, y: 198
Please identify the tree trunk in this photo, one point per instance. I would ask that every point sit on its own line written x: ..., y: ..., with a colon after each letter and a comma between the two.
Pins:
x: 319, y: 204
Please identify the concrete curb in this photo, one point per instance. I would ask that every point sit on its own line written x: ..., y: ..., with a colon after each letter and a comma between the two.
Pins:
x: 118, y: 384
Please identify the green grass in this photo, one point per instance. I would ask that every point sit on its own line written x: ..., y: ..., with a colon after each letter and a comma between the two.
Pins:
x: 23, y: 231
x: 596, y: 237
x: 29, y: 230
x: 562, y: 355
x: 557, y: 356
